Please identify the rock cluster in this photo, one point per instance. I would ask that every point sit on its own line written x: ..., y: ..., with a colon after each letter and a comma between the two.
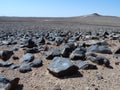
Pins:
x: 68, y: 52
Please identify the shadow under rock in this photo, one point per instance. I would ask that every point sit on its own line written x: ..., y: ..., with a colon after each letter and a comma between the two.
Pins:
x: 19, y: 87
x: 71, y: 75
x: 110, y: 67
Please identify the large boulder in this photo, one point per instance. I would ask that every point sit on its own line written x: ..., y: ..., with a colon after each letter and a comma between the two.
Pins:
x: 8, y: 84
x: 5, y: 54
x: 27, y: 58
x: 99, y: 49
x: 61, y: 67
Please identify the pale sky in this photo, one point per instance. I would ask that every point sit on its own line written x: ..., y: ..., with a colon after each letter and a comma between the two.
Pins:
x: 58, y: 8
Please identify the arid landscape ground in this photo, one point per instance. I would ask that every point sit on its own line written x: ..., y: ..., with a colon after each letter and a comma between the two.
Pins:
x: 85, y: 29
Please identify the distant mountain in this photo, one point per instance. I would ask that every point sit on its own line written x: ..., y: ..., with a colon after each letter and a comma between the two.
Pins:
x: 94, y: 14
x: 92, y: 19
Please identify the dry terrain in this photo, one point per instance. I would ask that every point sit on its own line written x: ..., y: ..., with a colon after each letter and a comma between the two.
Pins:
x: 39, y: 78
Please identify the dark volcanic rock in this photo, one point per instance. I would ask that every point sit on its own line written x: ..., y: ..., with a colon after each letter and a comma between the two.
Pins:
x: 53, y: 53
x: 58, y: 40
x: 25, y: 68
x: 14, y: 66
x: 8, y: 84
x: 65, y: 51
x: 78, y: 53
x: 5, y: 54
x: 5, y: 64
x: 51, y: 36
x: 28, y: 43
x: 84, y: 65
x: 61, y: 66
x: 98, y: 59
x: 6, y: 42
x: 99, y: 49
x: 41, y: 41
x: 27, y: 58
x: 36, y: 62
x: 72, y: 39
x: 72, y: 45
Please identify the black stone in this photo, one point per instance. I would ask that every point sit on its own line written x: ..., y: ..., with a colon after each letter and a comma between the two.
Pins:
x: 14, y: 66
x: 65, y: 51
x: 58, y: 40
x: 61, y: 66
x: 53, y: 53
x: 27, y: 58
x: 36, y: 62
x: 41, y: 41
x: 6, y: 54
x: 98, y: 59
x: 8, y: 84
x: 78, y: 54
x: 29, y: 43
x: 84, y: 65
x: 5, y: 64
x: 24, y: 68
x: 99, y: 49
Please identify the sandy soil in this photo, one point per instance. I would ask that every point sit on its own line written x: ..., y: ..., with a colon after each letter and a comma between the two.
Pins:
x: 41, y: 79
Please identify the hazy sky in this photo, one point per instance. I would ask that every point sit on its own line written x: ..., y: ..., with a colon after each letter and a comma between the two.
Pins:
x: 58, y: 8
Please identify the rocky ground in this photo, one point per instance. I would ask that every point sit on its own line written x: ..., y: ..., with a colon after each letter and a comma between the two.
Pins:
x: 45, y: 56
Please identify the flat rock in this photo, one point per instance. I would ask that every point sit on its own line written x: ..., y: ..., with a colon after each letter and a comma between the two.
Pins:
x: 24, y: 68
x: 84, y: 65
x: 61, y: 66
x: 27, y: 58
x: 99, y: 49
x: 13, y: 66
x: 36, y: 62
x: 5, y: 64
